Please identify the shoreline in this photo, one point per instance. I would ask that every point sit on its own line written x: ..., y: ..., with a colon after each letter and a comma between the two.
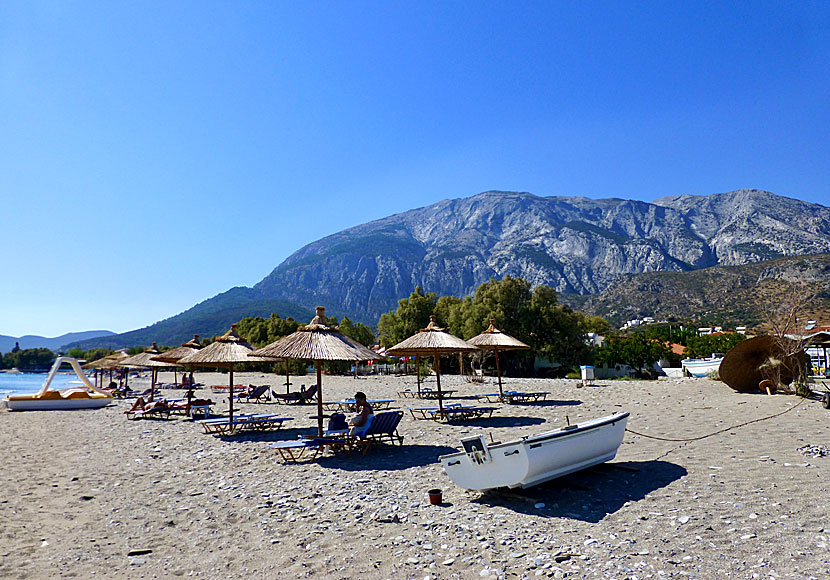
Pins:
x: 83, y: 490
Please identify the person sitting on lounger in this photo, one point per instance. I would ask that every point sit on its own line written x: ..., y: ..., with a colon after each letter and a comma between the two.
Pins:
x: 364, y: 410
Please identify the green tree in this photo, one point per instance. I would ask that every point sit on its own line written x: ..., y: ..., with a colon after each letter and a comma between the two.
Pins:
x: 636, y: 351
x: 411, y: 316
x: 357, y: 331
x: 706, y: 345
x: 30, y: 359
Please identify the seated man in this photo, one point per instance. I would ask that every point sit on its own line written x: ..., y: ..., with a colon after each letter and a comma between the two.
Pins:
x: 358, y: 423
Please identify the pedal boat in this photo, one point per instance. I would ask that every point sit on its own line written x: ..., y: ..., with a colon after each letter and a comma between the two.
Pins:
x: 84, y: 397
x: 536, y: 458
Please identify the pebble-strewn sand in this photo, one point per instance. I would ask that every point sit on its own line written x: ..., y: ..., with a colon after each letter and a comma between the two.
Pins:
x: 80, y: 490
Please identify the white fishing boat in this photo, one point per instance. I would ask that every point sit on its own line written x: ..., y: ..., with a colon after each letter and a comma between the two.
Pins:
x: 536, y: 458
x: 83, y: 397
x: 702, y: 367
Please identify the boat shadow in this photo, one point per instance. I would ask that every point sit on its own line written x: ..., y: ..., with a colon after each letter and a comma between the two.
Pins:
x: 386, y: 458
x: 591, y: 494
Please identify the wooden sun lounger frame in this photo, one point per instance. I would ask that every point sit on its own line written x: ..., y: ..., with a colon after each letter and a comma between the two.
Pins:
x: 348, y: 405
x: 461, y: 413
x: 426, y: 394
x: 513, y: 397
x: 224, y: 426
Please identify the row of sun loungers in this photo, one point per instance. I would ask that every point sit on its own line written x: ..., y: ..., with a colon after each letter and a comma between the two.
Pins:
x: 349, y: 404
x: 453, y: 412
x: 240, y: 423
x: 512, y: 397
x: 426, y: 393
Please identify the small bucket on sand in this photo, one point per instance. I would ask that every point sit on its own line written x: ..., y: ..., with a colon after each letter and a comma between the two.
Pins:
x: 435, y: 497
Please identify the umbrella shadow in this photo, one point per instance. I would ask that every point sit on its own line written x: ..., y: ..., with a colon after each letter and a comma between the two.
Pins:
x: 387, y: 458
x: 291, y: 434
x: 552, y: 403
x: 498, y: 422
x: 591, y: 494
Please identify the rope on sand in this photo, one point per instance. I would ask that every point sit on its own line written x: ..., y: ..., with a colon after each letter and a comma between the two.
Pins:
x: 721, y: 430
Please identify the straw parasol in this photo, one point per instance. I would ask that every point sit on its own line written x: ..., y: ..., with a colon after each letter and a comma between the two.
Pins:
x: 174, y: 355
x: 109, y: 362
x: 145, y: 360
x: 317, y: 341
x: 225, y: 352
x: 754, y: 360
x: 432, y: 341
x: 495, y: 340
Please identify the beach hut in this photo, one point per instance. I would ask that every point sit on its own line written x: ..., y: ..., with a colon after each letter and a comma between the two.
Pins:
x: 317, y: 341
x: 432, y: 341
x: 495, y: 340
x: 226, y: 351
x: 144, y: 360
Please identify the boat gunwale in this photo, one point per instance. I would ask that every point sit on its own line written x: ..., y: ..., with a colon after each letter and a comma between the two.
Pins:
x: 551, y: 435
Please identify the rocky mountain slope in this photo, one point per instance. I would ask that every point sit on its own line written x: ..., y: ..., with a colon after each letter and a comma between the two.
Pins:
x: 728, y: 296
x: 575, y: 245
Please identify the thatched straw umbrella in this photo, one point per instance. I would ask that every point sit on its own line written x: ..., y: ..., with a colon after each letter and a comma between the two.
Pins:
x: 432, y: 341
x: 107, y: 363
x: 174, y: 355
x: 225, y: 352
x: 317, y: 341
x: 145, y: 360
x: 758, y: 359
x: 495, y: 340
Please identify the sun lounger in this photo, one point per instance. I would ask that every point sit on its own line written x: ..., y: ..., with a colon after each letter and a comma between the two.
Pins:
x: 513, y: 397
x: 349, y: 404
x: 461, y: 413
x: 433, y: 394
x: 300, y: 397
x: 385, y: 426
x: 293, y: 451
x: 421, y: 412
x: 152, y: 410
x: 240, y: 423
x: 258, y: 394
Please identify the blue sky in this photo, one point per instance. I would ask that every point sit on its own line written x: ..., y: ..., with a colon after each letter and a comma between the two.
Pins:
x: 154, y: 154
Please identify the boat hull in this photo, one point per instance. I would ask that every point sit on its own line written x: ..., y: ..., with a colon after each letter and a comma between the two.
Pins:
x: 35, y: 403
x: 700, y: 369
x: 539, y: 458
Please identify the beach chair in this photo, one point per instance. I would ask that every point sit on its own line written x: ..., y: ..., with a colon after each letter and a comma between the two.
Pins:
x: 301, y: 397
x: 150, y: 410
x: 421, y: 412
x: 224, y: 426
x: 461, y: 413
x: 385, y: 426
x: 258, y: 394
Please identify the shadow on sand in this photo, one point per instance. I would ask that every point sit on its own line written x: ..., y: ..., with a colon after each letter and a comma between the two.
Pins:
x: 496, y: 421
x: 387, y: 458
x: 591, y: 494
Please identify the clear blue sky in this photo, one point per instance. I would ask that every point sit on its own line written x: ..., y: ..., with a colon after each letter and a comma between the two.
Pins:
x: 154, y: 154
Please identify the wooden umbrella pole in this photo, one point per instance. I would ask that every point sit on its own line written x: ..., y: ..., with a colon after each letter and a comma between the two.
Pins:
x: 230, y: 398
x: 437, y: 362
x: 319, y: 398
x: 287, y: 378
x: 418, y: 372
x: 498, y: 371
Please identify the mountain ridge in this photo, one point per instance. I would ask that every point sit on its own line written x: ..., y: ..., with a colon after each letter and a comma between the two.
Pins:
x: 576, y: 245
x: 35, y: 341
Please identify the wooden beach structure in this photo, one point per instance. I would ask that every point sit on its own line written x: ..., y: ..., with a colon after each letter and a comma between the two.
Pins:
x: 317, y: 341
x: 432, y: 341
x: 495, y: 341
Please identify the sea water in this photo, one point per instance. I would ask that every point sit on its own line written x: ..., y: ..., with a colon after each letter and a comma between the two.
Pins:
x: 30, y: 383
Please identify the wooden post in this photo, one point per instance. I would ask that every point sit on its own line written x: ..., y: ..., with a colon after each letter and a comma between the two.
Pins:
x: 436, y: 361
x: 287, y: 378
x: 319, y: 398
x: 498, y: 372
x: 418, y: 372
x: 230, y: 398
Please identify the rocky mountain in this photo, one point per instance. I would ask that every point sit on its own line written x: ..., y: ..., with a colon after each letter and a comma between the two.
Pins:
x: 34, y: 341
x: 728, y: 296
x: 575, y: 245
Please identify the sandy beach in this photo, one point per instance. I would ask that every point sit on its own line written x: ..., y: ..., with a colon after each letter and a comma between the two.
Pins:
x: 81, y: 491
